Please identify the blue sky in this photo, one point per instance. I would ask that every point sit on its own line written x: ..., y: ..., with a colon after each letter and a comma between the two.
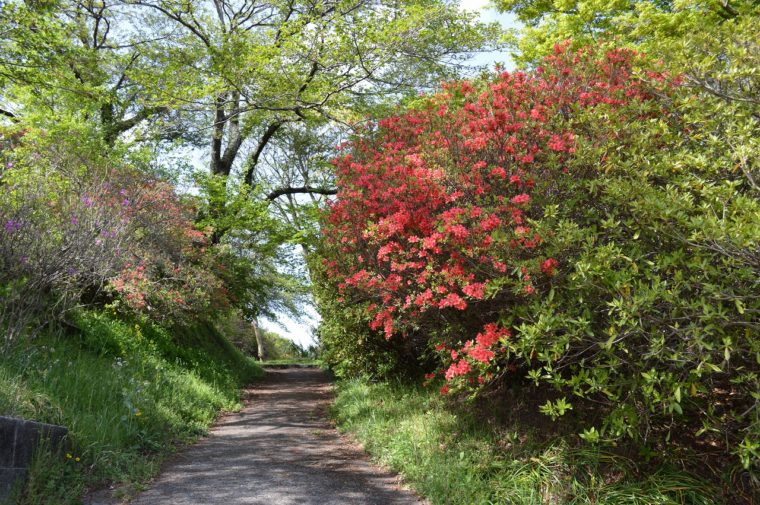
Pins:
x: 302, y: 331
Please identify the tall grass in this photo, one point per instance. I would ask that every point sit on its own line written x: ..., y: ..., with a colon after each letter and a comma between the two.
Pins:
x: 128, y: 392
x: 452, y: 458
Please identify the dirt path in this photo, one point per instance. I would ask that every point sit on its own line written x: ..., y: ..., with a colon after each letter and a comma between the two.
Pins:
x: 279, y: 450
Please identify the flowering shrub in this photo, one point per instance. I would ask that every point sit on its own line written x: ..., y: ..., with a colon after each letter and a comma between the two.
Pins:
x: 434, y: 212
x: 72, y: 224
x: 169, y: 273
x: 545, y: 226
x: 60, y: 237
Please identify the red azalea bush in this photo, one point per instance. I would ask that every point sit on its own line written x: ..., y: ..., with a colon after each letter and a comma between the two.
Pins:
x: 556, y: 228
x: 433, y: 219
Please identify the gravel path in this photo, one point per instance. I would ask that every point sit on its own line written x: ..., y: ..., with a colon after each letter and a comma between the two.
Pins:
x: 278, y: 450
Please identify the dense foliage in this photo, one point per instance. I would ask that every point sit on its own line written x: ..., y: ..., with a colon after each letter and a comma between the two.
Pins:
x: 586, y: 228
x: 552, y: 225
x: 79, y: 228
x: 112, y: 103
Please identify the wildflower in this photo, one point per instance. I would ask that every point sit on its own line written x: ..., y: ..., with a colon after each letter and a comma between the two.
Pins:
x: 13, y: 225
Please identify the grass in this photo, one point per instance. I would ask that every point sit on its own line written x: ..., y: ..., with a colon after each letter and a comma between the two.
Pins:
x: 129, y: 394
x: 450, y: 457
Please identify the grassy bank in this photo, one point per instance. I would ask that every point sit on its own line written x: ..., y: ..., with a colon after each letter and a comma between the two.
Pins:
x: 453, y: 458
x: 129, y: 394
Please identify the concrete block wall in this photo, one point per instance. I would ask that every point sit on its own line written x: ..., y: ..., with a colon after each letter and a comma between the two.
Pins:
x: 19, y: 439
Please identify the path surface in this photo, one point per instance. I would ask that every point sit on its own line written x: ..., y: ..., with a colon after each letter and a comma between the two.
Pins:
x: 279, y: 450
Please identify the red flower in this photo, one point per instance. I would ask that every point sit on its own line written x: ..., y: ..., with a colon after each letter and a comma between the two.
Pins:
x: 475, y: 290
x: 452, y: 300
x: 548, y: 266
x: 480, y: 353
x: 520, y: 199
x: 457, y: 369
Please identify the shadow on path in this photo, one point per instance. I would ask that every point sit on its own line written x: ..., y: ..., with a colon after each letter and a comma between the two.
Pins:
x: 279, y: 450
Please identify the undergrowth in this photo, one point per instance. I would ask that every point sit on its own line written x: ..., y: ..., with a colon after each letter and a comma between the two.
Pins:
x: 451, y: 458
x: 129, y: 393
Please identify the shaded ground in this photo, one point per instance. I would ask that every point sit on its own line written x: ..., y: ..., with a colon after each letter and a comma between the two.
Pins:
x: 279, y: 450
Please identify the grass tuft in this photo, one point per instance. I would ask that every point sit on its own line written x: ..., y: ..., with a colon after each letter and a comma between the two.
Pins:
x: 451, y: 458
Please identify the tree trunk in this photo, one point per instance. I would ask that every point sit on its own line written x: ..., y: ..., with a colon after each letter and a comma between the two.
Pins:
x: 217, y: 135
x: 259, y: 340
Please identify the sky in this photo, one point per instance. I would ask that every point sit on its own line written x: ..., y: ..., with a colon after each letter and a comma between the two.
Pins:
x: 303, y: 332
x: 490, y: 15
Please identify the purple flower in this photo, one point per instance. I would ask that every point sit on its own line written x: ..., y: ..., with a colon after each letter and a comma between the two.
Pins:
x: 13, y: 225
x: 125, y: 203
x: 74, y: 220
x: 87, y: 201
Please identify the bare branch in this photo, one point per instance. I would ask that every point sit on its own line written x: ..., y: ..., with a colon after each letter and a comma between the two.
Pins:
x: 302, y: 189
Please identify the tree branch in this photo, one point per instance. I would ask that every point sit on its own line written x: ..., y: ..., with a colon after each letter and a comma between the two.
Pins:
x: 301, y: 189
x: 236, y: 139
x: 13, y: 117
x: 254, y: 159
x: 119, y: 127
